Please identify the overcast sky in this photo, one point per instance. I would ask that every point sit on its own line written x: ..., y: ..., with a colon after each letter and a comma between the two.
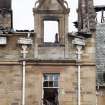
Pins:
x: 23, y: 15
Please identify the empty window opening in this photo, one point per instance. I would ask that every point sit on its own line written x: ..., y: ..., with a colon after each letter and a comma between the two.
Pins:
x: 104, y: 77
x: 51, y: 31
x: 50, y: 89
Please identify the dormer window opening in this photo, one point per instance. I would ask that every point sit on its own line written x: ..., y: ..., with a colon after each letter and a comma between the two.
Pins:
x: 51, y: 31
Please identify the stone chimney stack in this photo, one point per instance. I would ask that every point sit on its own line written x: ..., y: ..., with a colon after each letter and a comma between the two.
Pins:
x: 5, y: 14
x: 86, y: 15
x: 5, y: 4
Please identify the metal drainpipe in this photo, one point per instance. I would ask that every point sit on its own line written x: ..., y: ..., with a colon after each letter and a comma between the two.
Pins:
x: 78, y: 69
x: 23, y: 86
x: 79, y: 43
x: 24, y: 42
x: 24, y: 47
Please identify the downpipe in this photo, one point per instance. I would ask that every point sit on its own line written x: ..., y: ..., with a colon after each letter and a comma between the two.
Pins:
x: 23, y: 82
x: 24, y: 52
x: 24, y: 43
x: 78, y: 75
x: 79, y: 91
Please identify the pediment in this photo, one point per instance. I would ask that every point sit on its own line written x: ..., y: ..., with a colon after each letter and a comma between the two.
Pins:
x: 51, y: 5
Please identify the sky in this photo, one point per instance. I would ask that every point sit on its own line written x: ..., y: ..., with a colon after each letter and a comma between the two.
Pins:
x: 23, y: 14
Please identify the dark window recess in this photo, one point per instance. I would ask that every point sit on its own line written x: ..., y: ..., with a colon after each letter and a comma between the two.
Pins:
x: 104, y: 77
x: 14, y: 104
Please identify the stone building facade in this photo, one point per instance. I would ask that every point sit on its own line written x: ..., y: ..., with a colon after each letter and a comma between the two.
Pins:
x: 100, y: 63
x: 51, y: 68
x: 100, y: 80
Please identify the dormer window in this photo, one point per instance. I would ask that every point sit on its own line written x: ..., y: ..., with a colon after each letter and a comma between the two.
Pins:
x: 51, y: 21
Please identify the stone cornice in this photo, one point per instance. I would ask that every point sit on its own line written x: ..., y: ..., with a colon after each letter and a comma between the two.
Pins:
x: 47, y: 62
x: 51, y: 11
